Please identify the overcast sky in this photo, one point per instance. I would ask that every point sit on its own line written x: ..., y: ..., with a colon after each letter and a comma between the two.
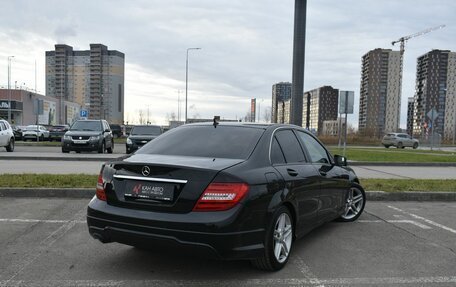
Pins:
x: 246, y: 46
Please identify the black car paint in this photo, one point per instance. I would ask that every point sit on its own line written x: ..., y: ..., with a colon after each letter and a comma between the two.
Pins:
x: 314, y: 194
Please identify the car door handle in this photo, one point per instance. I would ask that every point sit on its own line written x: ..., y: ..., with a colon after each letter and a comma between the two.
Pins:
x: 292, y: 172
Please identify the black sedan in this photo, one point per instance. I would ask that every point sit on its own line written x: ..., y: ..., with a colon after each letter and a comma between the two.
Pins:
x: 234, y: 191
x: 141, y: 135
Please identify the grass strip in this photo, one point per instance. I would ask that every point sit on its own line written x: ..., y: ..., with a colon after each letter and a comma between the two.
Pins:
x: 48, y: 180
x: 395, y: 155
x: 398, y: 185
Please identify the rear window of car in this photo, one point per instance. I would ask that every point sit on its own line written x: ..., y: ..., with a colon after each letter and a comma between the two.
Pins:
x: 206, y: 141
x: 31, y: 128
x: 86, y: 126
x: 150, y: 130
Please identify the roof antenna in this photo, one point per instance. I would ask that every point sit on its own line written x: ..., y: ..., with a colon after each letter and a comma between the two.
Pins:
x: 216, y: 121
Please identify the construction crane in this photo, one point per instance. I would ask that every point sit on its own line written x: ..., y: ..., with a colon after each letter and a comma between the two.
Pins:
x: 404, y: 39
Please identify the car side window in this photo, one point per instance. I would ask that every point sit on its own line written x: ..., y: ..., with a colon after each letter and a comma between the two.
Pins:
x: 316, y: 151
x: 290, y: 146
x: 2, y: 126
x: 277, y: 156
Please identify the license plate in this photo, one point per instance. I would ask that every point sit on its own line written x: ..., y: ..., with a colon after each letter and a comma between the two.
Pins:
x: 79, y: 141
x: 149, y: 190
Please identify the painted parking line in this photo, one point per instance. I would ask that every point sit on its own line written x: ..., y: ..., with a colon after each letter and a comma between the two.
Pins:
x: 428, y: 221
x: 248, y: 282
x: 18, y: 267
x: 21, y: 220
x: 420, y: 225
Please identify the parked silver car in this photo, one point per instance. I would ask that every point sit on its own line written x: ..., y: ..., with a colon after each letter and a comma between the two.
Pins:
x: 399, y: 140
x: 6, y: 136
x: 34, y: 132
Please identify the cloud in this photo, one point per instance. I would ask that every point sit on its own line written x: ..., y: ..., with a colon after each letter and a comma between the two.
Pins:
x: 247, y: 45
x: 64, y: 32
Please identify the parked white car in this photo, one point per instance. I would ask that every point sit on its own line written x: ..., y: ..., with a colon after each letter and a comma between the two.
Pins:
x: 6, y: 136
x: 399, y: 140
x: 33, y: 132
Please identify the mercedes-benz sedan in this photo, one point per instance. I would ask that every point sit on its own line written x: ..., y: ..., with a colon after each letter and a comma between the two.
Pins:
x: 234, y: 191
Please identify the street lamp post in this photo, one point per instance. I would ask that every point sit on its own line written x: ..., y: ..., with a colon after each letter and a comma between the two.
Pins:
x: 186, y: 82
x: 9, y: 88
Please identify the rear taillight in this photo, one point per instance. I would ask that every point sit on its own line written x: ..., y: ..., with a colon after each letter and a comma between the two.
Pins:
x: 101, y: 195
x: 221, y: 196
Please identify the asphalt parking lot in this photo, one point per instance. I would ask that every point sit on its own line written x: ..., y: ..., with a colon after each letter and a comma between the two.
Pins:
x: 44, y: 242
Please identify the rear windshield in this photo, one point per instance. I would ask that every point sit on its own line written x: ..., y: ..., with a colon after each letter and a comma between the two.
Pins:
x: 206, y: 141
x: 86, y: 126
x: 150, y: 130
x: 31, y: 128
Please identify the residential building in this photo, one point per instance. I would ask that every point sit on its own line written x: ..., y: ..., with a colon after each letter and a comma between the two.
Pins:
x: 283, y: 112
x: 435, y: 89
x: 410, y: 105
x: 281, y: 92
x: 331, y: 127
x: 380, y: 92
x: 92, y: 78
x: 319, y: 105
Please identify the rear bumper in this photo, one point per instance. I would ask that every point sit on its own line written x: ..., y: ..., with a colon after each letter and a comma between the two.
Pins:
x: 218, y: 237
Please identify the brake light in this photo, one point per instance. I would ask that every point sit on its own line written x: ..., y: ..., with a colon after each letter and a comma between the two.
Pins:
x: 101, y: 194
x: 221, y: 196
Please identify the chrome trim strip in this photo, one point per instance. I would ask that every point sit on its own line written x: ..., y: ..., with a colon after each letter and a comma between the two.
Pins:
x: 150, y: 178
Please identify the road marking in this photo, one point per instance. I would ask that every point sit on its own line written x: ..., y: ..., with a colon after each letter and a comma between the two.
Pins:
x: 420, y: 225
x: 46, y: 243
x: 248, y: 282
x: 21, y: 220
x: 308, y: 274
x: 424, y: 219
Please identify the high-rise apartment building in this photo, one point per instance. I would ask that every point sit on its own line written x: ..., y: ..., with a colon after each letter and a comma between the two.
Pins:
x: 92, y: 78
x: 319, y: 105
x: 435, y: 89
x: 280, y: 93
x: 410, y: 105
x: 380, y: 92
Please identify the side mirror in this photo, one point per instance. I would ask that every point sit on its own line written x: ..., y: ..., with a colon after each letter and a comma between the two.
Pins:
x: 107, y: 130
x: 340, y: 160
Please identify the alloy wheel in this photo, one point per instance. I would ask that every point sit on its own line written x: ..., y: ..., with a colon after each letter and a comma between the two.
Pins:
x: 283, y: 237
x: 354, y: 203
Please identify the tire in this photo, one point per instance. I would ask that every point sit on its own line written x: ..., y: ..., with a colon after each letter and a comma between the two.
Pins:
x: 278, y: 241
x: 65, y: 151
x: 10, y: 146
x: 399, y: 145
x: 112, y: 147
x: 386, y: 146
x: 102, y: 148
x: 415, y: 145
x: 42, y: 138
x: 354, y: 205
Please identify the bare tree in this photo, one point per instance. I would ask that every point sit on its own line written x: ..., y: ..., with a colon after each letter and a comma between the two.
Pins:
x: 267, y: 115
x: 141, y: 117
x: 171, y: 117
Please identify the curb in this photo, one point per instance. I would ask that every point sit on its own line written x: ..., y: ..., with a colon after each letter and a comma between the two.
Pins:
x: 56, y: 158
x: 410, y: 196
x: 48, y: 192
x: 424, y: 164
x: 90, y: 192
x: 350, y: 163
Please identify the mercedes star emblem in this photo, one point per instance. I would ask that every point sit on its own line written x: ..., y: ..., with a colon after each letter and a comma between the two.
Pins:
x: 146, y: 170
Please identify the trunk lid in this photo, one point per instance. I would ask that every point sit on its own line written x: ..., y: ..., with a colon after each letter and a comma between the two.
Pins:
x: 161, y: 183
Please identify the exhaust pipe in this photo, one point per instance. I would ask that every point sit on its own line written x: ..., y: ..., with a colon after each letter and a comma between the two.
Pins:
x: 100, y: 237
